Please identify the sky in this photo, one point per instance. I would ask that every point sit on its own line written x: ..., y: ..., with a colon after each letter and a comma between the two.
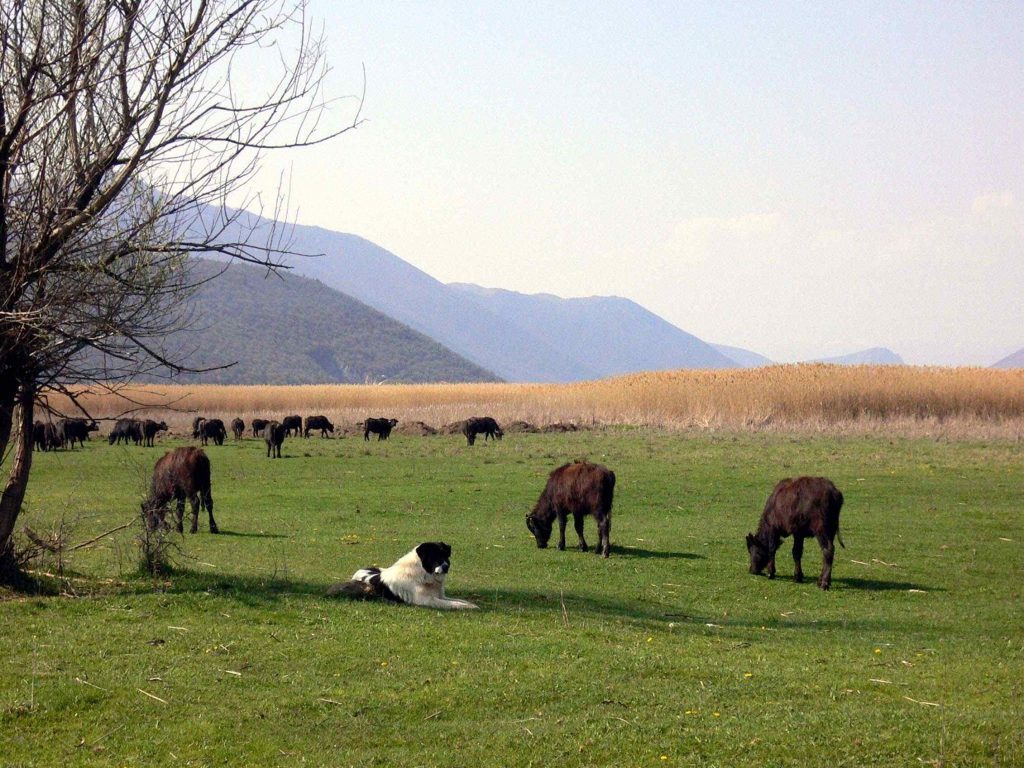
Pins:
x: 798, y: 179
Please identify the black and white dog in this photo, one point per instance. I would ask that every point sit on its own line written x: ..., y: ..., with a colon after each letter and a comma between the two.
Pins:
x: 416, y: 578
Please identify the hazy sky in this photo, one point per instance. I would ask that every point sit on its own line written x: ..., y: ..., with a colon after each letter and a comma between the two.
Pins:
x: 800, y: 179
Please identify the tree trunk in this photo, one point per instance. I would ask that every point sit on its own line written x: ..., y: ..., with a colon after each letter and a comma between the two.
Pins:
x: 17, y: 481
x: 8, y: 401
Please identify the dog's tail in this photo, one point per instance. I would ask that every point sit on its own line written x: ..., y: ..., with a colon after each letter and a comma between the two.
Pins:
x: 354, y: 590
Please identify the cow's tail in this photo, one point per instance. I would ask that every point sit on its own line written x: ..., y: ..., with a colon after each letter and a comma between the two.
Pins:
x: 839, y: 505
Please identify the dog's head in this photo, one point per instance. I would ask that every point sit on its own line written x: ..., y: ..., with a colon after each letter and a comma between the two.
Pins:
x: 434, y: 556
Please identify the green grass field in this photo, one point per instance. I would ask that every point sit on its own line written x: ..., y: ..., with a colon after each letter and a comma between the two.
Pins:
x: 668, y: 653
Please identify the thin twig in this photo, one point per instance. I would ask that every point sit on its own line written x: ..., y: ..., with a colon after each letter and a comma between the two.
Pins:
x: 97, y: 538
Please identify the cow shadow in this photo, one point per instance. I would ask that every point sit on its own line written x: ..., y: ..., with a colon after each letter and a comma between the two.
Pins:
x: 250, y: 535
x: 616, y: 549
x: 879, y: 585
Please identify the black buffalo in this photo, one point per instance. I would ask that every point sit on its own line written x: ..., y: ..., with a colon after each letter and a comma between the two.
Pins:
x: 481, y: 424
x: 126, y: 429
x: 801, y: 507
x: 273, y: 435
x: 73, y: 430
x: 578, y: 489
x: 318, y: 422
x: 149, y: 430
x: 292, y: 425
x: 183, y: 473
x: 212, y: 429
x: 46, y: 436
x: 237, y: 427
x: 380, y: 427
x: 257, y: 427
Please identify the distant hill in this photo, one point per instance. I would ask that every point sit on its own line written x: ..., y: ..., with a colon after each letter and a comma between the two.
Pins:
x: 479, y: 327
x: 873, y: 356
x: 607, y: 334
x: 743, y: 357
x: 1016, y: 360
x: 293, y: 330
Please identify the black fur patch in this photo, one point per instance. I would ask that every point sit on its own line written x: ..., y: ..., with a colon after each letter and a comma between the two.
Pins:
x: 434, y: 555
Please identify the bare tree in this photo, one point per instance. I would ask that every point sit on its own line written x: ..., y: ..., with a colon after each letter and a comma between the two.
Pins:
x: 124, y: 126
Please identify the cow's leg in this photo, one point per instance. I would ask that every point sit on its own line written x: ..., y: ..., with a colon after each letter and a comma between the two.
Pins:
x: 562, y: 520
x: 798, y: 552
x: 828, y: 551
x: 208, y: 503
x: 193, y: 500
x: 604, y: 533
x: 180, y: 501
x: 577, y: 521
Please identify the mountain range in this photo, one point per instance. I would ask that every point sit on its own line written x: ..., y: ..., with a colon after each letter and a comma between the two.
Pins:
x: 498, y: 333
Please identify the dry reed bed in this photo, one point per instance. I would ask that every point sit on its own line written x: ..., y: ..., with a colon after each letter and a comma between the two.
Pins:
x: 914, y: 401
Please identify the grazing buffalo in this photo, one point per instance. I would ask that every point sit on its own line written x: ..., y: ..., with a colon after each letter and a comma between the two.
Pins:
x: 197, y: 424
x: 126, y: 429
x: 73, y: 430
x: 380, y: 427
x: 274, y: 434
x: 257, y: 427
x: 578, y: 489
x: 212, y: 429
x: 801, y: 507
x: 183, y: 473
x: 292, y: 426
x: 149, y: 430
x: 237, y: 427
x: 46, y: 436
x: 477, y: 424
x: 318, y: 422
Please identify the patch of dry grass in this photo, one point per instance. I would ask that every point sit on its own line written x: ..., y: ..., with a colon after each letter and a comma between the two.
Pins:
x: 913, y: 401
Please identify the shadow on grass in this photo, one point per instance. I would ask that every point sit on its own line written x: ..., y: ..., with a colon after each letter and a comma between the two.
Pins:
x: 253, y: 535
x: 877, y: 585
x: 652, y: 553
x: 249, y: 590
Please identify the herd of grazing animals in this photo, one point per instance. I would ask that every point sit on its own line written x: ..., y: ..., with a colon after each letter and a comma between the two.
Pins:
x: 801, y: 507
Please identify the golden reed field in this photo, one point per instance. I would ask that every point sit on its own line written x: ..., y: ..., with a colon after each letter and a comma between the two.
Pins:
x: 955, y: 403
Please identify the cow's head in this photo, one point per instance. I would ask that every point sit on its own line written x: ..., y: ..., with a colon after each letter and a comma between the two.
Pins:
x: 540, y: 528
x: 498, y: 433
x: 759, y: 554
x: 393, y: 422
x: 154, y: 514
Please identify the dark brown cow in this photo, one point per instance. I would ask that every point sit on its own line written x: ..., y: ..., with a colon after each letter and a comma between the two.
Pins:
x: 318, y: 422
x: 477, y: 424
x: 292, y: 425
x: 149, y: 430
x: 257, y: 427
x: 578, y: 489
x: 380, y: 427
x: 274, y: 434
x: 237, y: 427
x: 183, y: 473
x: 801, y: 507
